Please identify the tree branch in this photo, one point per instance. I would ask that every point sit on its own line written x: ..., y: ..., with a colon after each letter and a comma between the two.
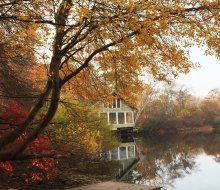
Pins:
x: 11, y: 3
x: 19, y: 130
x: 97, y: 51
x: 38, y: 156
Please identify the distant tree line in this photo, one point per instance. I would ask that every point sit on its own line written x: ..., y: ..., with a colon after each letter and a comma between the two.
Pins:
x: 173, y: 108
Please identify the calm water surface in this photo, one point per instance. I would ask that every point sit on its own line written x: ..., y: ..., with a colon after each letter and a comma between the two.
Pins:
x: 178, y: 163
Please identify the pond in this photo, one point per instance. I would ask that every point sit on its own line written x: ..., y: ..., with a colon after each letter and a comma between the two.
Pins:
x: 173, y: 162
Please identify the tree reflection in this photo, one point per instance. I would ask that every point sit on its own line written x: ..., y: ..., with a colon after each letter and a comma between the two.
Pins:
x: 164, y: 159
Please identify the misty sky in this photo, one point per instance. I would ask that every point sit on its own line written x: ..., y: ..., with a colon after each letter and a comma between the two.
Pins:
x: 201, y: 80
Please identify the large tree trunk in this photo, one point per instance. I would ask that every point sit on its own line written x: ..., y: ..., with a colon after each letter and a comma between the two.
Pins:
x: 34, y: 111
x: 53, y: 84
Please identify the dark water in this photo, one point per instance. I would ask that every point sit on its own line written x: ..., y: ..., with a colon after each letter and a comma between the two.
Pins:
x: 178, y: 163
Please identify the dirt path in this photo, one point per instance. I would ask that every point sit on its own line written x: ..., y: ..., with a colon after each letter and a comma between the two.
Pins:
x: 115, y: 186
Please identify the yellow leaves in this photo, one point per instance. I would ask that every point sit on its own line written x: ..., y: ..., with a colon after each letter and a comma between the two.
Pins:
x: 85, y: 12
x: 184, y: 113
x: 23, y: 17
x: 149, y: 41
x: 32, y: 30
x: 165, y: 14
x: 82, y: 128
x: 23, y: 34
x: 144, y: 39
x: 207, y: 37
x: 107, y: 19
x: 117, y: 19
x: 163, y: 23
x: 66, y: 5
x: 91, y: 142
x: 114, y: 21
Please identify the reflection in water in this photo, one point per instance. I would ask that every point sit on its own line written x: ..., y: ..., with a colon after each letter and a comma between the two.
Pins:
x: 171, y: 161
x: 115, y: 163
x: 125, y: 154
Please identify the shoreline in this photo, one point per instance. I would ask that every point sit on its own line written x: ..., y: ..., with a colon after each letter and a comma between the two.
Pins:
x: 205, y: 129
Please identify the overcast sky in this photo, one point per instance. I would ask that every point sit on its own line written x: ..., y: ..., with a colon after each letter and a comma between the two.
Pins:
x: 201, y: 80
